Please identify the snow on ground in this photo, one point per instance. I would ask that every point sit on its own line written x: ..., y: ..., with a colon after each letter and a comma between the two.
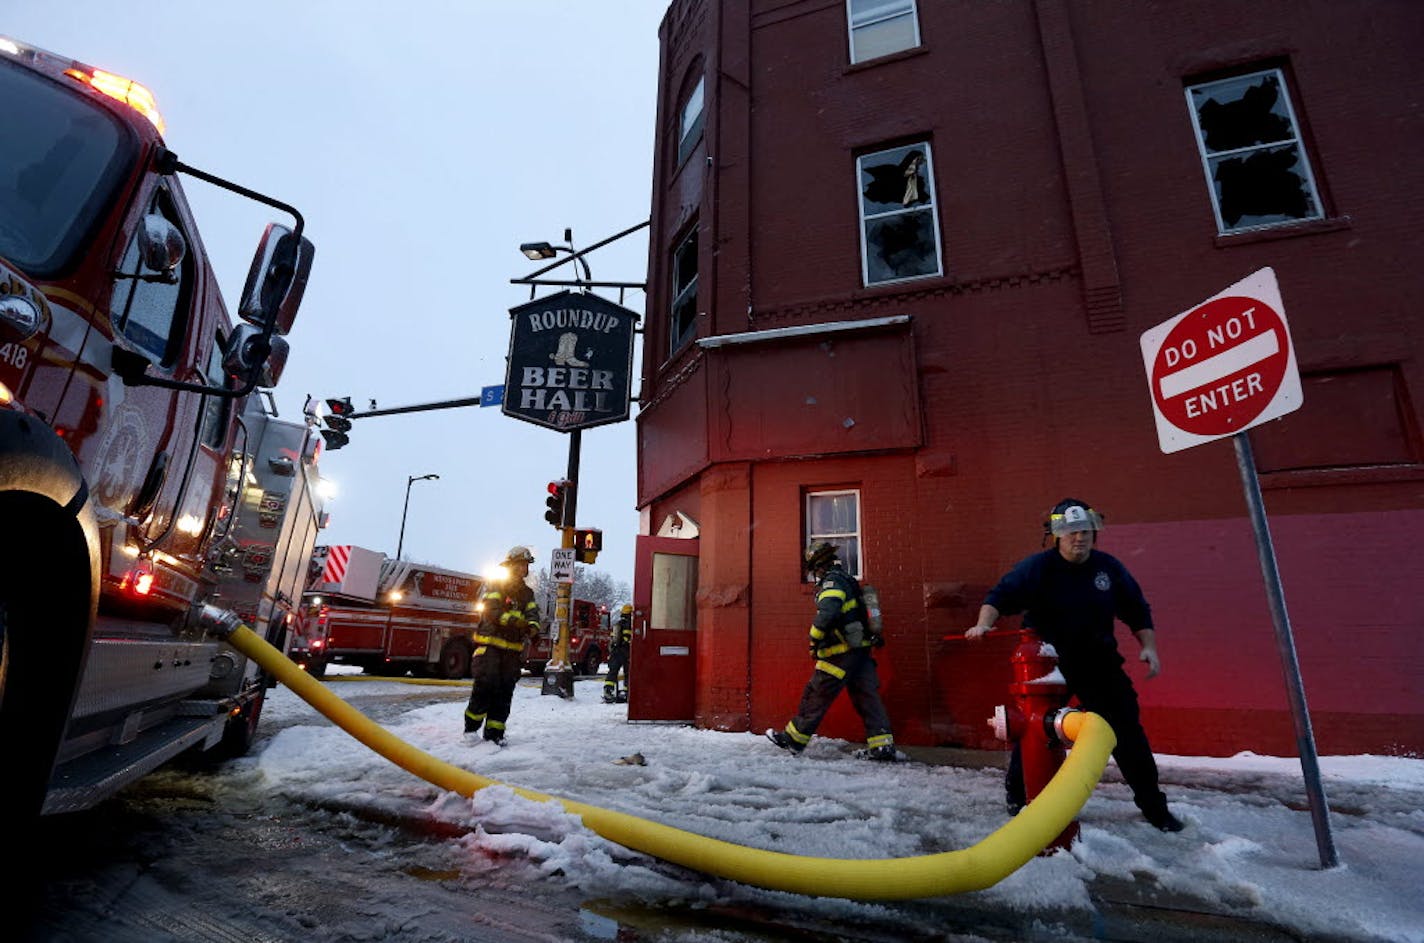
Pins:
x: 1249, y: 849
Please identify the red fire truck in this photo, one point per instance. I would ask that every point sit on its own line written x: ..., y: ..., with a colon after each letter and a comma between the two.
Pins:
x: 588, y: 639
x: 122, y: 378
x: 387, y: 616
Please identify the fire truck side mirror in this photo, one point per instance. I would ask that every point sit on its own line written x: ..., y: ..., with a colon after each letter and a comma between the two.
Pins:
x: 277, y: 279
x: 161, y: 244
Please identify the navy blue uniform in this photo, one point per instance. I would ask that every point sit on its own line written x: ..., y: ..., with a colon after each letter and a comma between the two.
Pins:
x: 1072, y: 606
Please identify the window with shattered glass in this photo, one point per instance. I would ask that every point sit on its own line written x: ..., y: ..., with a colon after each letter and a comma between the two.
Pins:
x: 1256, y: 167
x: 899, y: 222
x: 880, y: 27
x: 834, y: 516
x: 684, y: 292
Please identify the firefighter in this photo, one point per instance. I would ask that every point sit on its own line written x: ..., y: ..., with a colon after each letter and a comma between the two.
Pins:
x: 841, y: 641
x: 615, y: 690
x: 1069, y: 595
x: 509, y: 618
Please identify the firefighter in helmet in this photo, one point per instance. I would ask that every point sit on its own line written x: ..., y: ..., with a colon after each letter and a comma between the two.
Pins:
x: 510, y: 617
x: 1070, y: 595
x: 841, y: 643
x: 615, y: 690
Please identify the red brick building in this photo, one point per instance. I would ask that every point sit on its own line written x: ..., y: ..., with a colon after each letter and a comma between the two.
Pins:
x: 902, y: 253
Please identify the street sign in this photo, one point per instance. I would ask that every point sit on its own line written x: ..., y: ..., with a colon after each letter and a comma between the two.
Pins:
x: 561, y: 565
x: 1223, y: 366
x: 570, y: 361
x: 491, y: 395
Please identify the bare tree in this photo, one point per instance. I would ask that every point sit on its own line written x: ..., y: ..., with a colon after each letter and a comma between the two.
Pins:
x: 594, y: 585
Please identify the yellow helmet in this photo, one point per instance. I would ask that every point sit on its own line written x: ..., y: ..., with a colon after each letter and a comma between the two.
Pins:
x: 627, y: 609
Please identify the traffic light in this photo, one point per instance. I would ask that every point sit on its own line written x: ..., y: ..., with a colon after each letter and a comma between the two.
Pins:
x: 588, y: 541
x: 558, y: 497
x: 338, y: 422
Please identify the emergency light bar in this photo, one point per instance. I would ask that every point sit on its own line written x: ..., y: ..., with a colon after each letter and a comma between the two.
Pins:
x: 121, y: 89
x: 116, y: 87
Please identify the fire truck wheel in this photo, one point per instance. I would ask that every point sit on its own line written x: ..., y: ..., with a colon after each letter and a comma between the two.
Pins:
x: 317, y: 667
x: 45, y: 612
x: 241, y: 730
x: 591, y: 660
x: 455, y: 659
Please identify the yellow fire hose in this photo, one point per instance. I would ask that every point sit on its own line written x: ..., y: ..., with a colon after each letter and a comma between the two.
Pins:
x: 952, y: 872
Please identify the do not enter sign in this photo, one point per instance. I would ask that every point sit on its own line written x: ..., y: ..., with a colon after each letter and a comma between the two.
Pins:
x: 1222, y: 367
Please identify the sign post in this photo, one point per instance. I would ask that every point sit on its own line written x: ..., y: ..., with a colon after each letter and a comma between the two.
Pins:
x: 1216, y: 370
x: 570, y: 367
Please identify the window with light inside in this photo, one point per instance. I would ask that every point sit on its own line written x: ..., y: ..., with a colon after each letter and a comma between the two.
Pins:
x: 1257, y: 171
x: 881, y: 27
x: 834, y: 516
x: 899, y: 222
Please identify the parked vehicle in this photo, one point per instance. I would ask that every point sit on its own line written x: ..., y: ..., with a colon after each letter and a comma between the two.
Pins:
x: 121, y: 382
x: 261, y: 559
x: 588, y: 639
x: 387, y: 616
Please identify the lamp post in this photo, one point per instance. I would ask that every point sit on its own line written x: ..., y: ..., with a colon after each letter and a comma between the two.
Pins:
x: 558, y: 673
x: 536, y: 251
x: 400, y: 545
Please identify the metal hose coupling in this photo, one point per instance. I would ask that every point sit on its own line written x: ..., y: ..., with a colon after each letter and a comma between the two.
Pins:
x: 1057, y: 719
x: 219, y: 621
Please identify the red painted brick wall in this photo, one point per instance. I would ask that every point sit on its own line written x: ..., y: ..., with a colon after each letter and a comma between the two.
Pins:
x: 1074, y: 215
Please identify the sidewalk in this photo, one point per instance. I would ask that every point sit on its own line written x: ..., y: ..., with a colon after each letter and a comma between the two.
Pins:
x: 1126, y: 910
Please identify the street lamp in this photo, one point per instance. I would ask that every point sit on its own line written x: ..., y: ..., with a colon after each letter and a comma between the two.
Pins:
x: 408, y: 482
x: 535, y: 251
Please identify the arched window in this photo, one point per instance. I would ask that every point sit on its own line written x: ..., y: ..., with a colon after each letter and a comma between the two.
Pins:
x: 689, y: 121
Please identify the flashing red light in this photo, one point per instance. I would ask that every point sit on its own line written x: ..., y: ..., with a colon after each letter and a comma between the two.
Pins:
x: 143, y: 584
x: 317, y: 643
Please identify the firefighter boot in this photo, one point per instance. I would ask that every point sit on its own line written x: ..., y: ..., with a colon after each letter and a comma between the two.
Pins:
x: 783, y: 740
x: 608, y: 696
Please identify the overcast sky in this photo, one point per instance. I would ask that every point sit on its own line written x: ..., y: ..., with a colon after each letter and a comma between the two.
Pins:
x: 422, y: 143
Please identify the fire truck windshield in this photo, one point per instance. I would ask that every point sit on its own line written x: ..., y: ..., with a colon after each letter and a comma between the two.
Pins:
x: 61, y: 157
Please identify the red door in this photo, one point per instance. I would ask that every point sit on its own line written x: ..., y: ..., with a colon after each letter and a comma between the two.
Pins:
x: 663, y: 656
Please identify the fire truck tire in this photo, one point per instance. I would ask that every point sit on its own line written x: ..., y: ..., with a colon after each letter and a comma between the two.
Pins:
x: 316, y: 667
x: 455, y: 659
x: 47, y: 594
x: 241, y: 730
x: 591, y: 660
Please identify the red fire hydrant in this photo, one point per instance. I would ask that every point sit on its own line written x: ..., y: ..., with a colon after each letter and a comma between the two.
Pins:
x: 1040, y: 694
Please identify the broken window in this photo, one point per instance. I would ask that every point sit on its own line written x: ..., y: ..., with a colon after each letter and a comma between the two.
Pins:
x: 899, y: 222
x: 880, y: 27
x: 1256, y: 168
x: 834, y: 516
x: 684, y: 292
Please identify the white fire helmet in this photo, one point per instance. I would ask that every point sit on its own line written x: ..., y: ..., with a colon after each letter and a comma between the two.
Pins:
x: 1071, y: 515
x: 519, y: 554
